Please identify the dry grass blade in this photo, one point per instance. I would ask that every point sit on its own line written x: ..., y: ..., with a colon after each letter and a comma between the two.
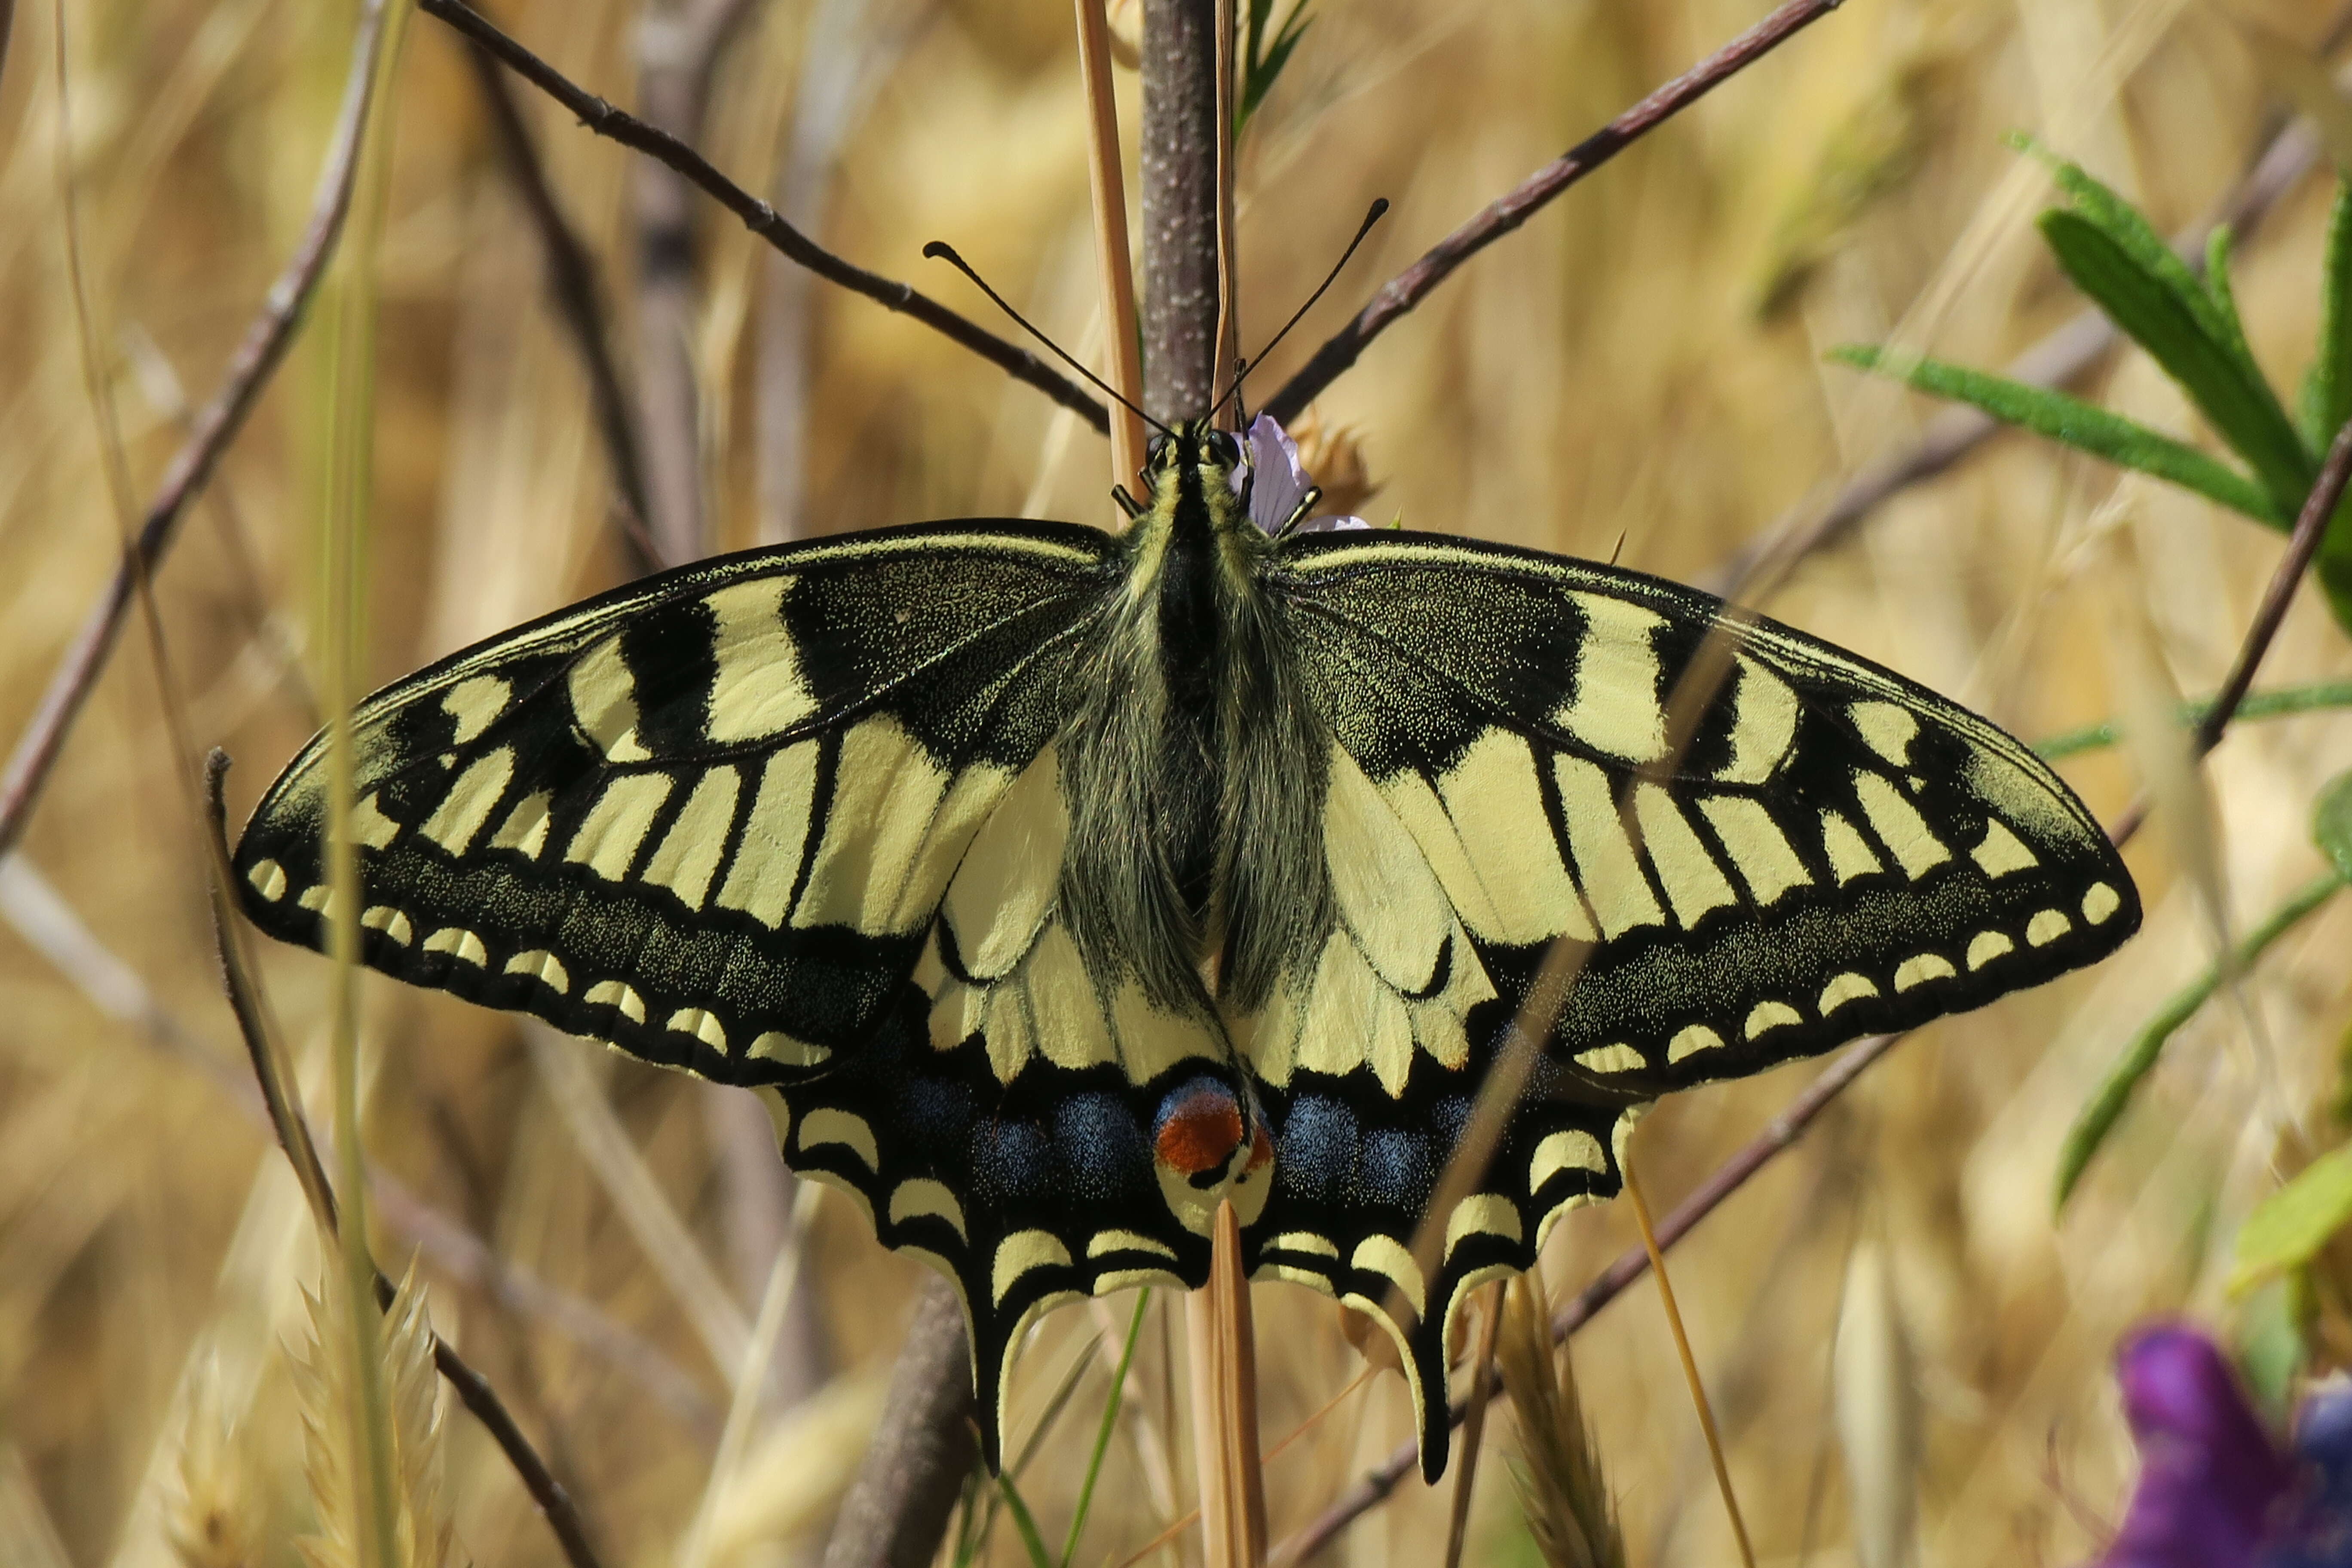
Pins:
x: 1224, y: 1407
x: 1689, y: 1364
x: 217, y: 1513
x: 1558, y: 1467
x: 1473, y: 1422
x: 1877, y: 1411
x: 638, y: 1194
x: 1108, y: 188
x: 424, y: 1534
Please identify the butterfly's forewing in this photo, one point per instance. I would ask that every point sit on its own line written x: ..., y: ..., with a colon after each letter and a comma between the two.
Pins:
x: 1835, y: 851
x: 712, y: 819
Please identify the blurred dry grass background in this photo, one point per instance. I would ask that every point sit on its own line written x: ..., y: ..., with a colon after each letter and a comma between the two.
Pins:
x: 1608, y: 372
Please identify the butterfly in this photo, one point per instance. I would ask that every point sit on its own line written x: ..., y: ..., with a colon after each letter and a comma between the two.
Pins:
x: 1057, y: 885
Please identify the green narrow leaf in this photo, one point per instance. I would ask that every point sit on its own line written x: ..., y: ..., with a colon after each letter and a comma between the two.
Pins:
x: 2331, y: 824
x: 1024, y: 1521
x: 2327, y: 399
x: 1263, y: 60
x: 2127, y: 228
x: 2083, y: 425
x: 1110, y: 1424
x: 2107, y: 1103
x: 2287, y: 1228
x: 2334, y: 567
x: 2271, y: 1348
x: 2225, y: 297
x: 2318, y: 695
x: 2187, y: 335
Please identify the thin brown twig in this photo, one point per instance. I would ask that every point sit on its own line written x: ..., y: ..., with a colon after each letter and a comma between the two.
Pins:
x: 293, y: 1130
x: 618, y: 125
x: 1408, y: 289
x: 249, y: 370
x: 1176, y: 180
x: 578, y: 295
x: 1782, y: 1132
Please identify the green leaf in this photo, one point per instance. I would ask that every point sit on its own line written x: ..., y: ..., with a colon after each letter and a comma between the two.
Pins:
x: 2271, y: 1343
x: 1024, y: 1521
x: 2106, y: 1105
x: 2318, y: 695
x: 2083, y: 425
x: 2334, y: 567
x: 2327, y: 399
x: 2289, y: 1227
x: 2187, y: 335
x: 2331, y: 824
x: 1110, y: 1424
x: 2225, y: 297
x: 2127, y: 228
x: 1263, y: 60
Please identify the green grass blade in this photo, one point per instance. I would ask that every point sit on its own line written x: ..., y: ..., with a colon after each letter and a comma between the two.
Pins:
x: 2083, y: 425
x: 2225, y: 297
x: 2331, y: 824
x: 2326, y: 400
x: 2317, y: 696
x: 2188, y: 336
x: 2287, y: 1228
x: 2107, y: 1104
x: 1263, y: 60
x: 2127, y: 228
x: 1024, y: 1521
x: 2334, y: 567
x: 1110, y: 1424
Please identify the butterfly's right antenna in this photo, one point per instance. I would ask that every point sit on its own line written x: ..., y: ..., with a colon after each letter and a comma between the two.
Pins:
x: 940, y: 249
x: 1379, y: 210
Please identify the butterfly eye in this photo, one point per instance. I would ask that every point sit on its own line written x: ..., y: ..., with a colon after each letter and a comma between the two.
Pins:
x: 1157, y: 451
x: 1224, y: 449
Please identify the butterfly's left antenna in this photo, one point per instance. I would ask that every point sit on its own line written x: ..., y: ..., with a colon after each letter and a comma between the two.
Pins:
x: 940, y: 249
x: 1379, y: 210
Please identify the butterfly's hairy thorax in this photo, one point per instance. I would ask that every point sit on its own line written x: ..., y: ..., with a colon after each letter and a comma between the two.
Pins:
x: 1192, y: 764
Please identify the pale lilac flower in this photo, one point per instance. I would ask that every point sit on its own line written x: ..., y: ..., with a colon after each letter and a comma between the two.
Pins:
x: 2215, y: 1489
x: 1277, y: 483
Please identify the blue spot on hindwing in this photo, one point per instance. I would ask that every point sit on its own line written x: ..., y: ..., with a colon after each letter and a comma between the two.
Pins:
x: 1101, y: 1145
x: 1316, y: 1152
x: 1012, y: 1160
x: 1398, y: 1168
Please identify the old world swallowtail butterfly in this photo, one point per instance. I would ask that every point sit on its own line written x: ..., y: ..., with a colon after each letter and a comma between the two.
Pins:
x: 1057, y: 884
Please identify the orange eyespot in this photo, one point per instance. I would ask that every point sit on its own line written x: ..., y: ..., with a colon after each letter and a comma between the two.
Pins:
x: 1200, y: 1127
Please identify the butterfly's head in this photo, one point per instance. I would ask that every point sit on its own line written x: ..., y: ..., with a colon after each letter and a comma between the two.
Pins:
x: 1210, y: 1145
x: 1197, y: 444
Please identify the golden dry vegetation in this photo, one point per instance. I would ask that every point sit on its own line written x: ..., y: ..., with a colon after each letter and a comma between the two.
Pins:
x: 1606, y: 380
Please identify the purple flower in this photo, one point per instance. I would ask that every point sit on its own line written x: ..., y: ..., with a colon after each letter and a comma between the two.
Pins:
x: 2216, y: 1490
x: 1277, y: 483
